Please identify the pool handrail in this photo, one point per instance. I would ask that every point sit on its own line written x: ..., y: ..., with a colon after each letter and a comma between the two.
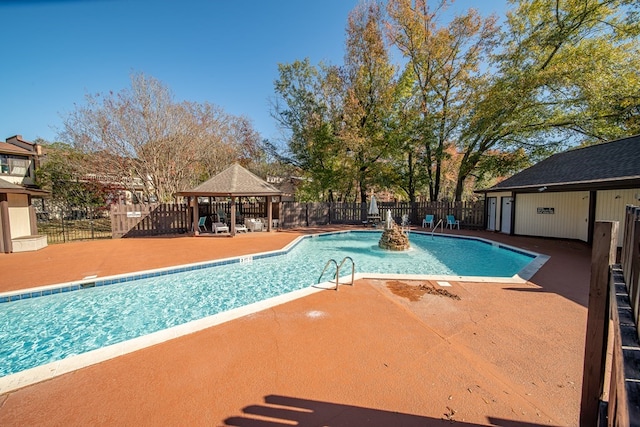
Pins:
x: 337, y: 276
x: 353, y: 271
x: 327, y: 266
x: 439, y: 223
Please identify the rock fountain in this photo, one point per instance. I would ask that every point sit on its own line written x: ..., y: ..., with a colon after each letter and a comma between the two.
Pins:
x: 393, y: 238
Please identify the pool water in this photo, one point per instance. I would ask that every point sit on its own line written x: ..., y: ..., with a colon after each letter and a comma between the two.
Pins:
x: 40, y: 330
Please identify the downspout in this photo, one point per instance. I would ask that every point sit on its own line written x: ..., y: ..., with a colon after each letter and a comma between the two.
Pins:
x: 512, y: 232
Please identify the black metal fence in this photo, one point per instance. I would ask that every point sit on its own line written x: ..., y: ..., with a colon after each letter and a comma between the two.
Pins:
x: 74, y: 225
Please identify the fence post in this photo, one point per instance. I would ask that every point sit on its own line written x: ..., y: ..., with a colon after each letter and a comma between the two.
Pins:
x: 91, y: 223
x: 603, y: 254
x: 64, y: 237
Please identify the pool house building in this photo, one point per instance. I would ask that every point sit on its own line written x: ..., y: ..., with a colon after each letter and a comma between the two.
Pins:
x: 564, y: 195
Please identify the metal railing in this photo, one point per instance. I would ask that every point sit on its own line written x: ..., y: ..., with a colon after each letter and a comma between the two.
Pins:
x: 338, y: 266
x: 439, y: 223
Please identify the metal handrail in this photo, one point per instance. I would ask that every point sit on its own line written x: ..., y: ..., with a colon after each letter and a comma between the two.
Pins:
x: 353, y: 271
x: 327, y: 266
x: 337, y: 276
x: 441, y: 224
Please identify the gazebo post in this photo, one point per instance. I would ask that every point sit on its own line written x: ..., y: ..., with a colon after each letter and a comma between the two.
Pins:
x: 280, y: 218
x: 269, y: 213
x: 233, y: 216
x: 196, y: 214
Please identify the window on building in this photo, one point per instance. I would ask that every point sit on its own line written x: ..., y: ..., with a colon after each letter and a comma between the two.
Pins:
x: 4, y: 164
x: 15, y: 166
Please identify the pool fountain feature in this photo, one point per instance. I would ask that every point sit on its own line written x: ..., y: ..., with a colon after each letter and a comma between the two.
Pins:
x: 393, y: 238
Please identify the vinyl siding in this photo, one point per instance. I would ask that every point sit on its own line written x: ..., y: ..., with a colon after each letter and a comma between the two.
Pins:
x: 611, y: 204
x: 569, y: 220
x: 19, y: 220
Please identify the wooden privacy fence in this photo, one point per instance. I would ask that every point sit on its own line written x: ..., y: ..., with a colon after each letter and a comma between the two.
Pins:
x: 149, y: 220
x: 613, y: 308
x: 295, y: 214
x: 170, y: 218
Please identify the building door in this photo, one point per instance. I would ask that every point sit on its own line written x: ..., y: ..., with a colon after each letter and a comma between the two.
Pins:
x: 491, y: 214
x: 505, y: 217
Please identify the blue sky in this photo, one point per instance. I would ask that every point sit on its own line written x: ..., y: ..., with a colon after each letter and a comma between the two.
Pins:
x: 225, y: 52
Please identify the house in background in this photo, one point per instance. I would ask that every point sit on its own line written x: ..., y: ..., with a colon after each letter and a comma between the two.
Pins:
x: 564, y: 195
x: 18, y: 225
x: 19, y: 160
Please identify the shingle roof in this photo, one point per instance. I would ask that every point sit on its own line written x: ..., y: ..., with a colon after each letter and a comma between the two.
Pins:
x: 10, y: 148
x: 8, y: 187
x: 608, y: 163
x: 233, y: 181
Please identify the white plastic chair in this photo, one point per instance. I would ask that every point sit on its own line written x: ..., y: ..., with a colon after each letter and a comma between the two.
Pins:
x: 219, y: 227
x: 253, y: 224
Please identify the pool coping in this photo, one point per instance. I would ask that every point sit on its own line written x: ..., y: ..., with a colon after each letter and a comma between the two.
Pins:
x: 50, y: 370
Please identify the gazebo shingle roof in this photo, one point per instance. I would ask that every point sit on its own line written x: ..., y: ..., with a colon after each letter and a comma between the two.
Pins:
x: 233, y: 181
x: 601, y: 165
x: 6, y: 185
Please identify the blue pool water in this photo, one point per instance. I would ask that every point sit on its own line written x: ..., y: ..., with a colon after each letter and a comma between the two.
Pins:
x: 40, y: 330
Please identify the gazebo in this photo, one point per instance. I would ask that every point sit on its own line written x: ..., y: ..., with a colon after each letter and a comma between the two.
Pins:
x: 233, y: 182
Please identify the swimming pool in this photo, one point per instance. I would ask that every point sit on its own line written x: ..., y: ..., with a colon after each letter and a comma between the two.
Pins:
x: 41, y: 327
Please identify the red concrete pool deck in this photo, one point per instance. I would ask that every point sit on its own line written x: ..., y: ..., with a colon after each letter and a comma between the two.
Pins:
x: 504, y: 354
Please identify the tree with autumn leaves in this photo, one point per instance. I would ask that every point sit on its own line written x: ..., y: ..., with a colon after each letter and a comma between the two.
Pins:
x: 338, y: 118
x: 468, y: 102
x: 141, y: 138
x: 490, y: 101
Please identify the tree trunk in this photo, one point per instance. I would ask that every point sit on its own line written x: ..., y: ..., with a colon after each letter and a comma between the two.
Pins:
x: 411, y: 190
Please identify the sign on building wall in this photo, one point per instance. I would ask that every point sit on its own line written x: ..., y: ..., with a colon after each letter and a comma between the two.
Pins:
x: 546, y: 211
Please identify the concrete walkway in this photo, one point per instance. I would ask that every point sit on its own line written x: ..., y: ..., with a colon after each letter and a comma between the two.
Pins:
x: 503, y: 354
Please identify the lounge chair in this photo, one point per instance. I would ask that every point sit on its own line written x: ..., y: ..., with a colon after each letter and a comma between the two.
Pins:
x: 241, y: 228
x: 451, y: 221
x: 253, y: 224
x: 428, y: 220
x: 219, y: 227
x: 201, y: 223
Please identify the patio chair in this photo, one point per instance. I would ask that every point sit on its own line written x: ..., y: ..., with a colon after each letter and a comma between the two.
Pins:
x: 451, y: 221
x: 201, y: 223
x: 222, y: 216
x: 241, y: 228
x: 428, y: 220
x: 405, y: 220
x: 219, y: 227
